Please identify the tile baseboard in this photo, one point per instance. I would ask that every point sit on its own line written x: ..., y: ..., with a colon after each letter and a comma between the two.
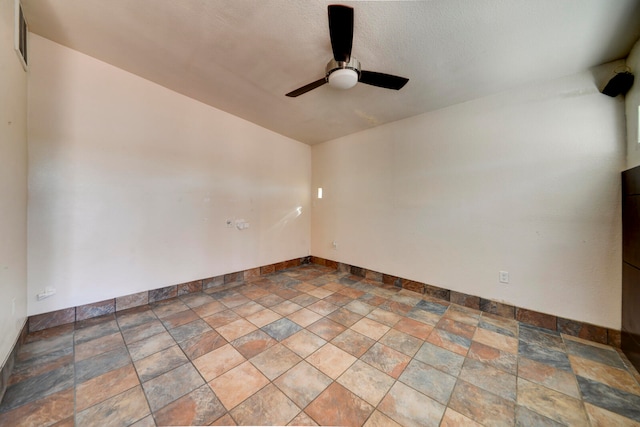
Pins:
x: 599, y: 334
x: 88, y: 311
x: 571, y: 327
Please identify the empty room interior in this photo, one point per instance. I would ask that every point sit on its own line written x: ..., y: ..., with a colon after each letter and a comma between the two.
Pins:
x: 372, y: 213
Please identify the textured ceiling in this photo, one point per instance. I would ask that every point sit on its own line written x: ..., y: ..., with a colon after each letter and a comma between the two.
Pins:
x: 242, y: 56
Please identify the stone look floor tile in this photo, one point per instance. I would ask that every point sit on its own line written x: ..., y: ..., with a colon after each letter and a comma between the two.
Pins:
x: 410, y: 408
x: 239, y: 383
x: 122, y: 409
x: 224, y: 420
x: 440, y: 358
x: 179, y: 319
x: 285, y: 308
x: 481, y: 406
x: 456, y: 419
x: 331, y: 360
x: 39, y: 365
x: 221, y: 318
x: 200, y: 407
x: 148, y: 346
x: 253, y: 343
x: 606, y: 356
x: 168, y: 387
x: 610, y: 398
x: 264, y: 317
x: 217, y: 362
x: 143, y: 331
x: 525, y: 417
x: 168, y: 307
x: 338, y: 406
x: 548, y: 376
x: 314, y: 346
x: 236, y: 329
x: 303, y: 383
x: 496, y: 340
x: 370, y: 328
x: 37, y: 387
x: 455, y: 327
x: 366, y: 382
x: 401, y: 342
x: 304, y: 317
x: 46, y: 411
x: 542, y: 354
x: 386, y: 359
x: 281, y: 329
x: 428, y: 381
x: 269, y: 406
x: 105, y: 386
x: 326, y: 329
x: 600, y: 417
x: 190, y: 330
x: 209, y: 309
x: 413, y: 328
x: 378, y: 419
x: 499, y: 359
x: 344, y: 317
x: 463, y: 315
x: 100, y: 364
x: 489, y: 378
x: 302, y: 419
x: 248, y: 309
x: 304, y: 343
x: 202, y: 344
x: 275, y: 361
x: 385, y: 317
x: 353, y: 343
x: 613, y: 377
x: 551, y: 404
x: 450, y: 341
x: 100, y: 345
x: 159, y: 363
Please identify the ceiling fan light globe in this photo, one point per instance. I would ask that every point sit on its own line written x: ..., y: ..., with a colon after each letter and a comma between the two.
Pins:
x: 343, y: 79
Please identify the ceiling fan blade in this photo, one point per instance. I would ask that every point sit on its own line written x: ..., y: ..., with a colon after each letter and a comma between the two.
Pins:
x: 341, y: 31
x: 306, y: 88
x: 382, y: 80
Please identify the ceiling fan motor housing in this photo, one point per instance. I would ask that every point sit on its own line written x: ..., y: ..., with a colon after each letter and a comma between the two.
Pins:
x: 343, y: 75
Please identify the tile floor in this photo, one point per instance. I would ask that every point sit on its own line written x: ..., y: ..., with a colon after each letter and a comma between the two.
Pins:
x: 312, y: 346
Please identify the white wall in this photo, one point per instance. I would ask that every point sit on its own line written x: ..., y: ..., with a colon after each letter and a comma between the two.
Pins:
x: 131, y: 185
x: 525, y: 181
x: 632, y: 104
x: 13, y: 186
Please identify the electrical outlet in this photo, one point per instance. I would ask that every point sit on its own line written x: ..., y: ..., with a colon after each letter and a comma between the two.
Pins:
x: 503, y: 276
x: 46, y: 293
x: 335, y: 245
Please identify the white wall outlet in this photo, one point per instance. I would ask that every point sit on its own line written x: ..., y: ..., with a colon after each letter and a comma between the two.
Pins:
x: 46, y: 293
x: 503, y: 276
x: 335, y: 245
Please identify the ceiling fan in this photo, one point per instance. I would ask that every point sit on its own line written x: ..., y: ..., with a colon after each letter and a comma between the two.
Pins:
x: 344, y: 71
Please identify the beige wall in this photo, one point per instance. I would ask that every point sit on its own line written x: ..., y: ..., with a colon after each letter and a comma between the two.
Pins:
x: 525, y: 181
x: 13, y: 186
x: 131, y: 185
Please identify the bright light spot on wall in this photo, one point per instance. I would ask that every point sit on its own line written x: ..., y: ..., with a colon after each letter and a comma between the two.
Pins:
x: 319, y: 192
x: 299, y: 210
